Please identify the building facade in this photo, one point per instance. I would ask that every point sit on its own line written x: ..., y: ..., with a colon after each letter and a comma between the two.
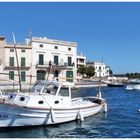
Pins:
x: 9, y: 67
x: 53, y: 59
x: 101, y: 69
x: 81, y: 61
x: 39, y: 58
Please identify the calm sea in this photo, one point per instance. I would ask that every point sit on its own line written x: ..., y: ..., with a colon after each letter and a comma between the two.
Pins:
x: 121, y: 121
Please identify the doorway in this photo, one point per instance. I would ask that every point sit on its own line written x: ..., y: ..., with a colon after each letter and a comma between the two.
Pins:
x: 41, y: 74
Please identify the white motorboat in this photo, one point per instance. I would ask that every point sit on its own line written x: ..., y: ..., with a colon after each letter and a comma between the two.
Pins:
x: 115, y: 84
x: 48, y: 102
x: 133, y: 85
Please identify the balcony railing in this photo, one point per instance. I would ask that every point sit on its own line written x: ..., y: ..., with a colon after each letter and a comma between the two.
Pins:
x: 48, y: 64
x: 54, y: 41
x: 14, y: 67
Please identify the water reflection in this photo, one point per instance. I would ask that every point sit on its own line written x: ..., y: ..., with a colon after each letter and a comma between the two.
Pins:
x: 74, y: 129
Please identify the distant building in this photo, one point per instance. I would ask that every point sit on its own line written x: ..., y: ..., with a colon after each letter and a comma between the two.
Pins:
x: 39, y: 58
x: 81, y: 61
x: 101, y: 69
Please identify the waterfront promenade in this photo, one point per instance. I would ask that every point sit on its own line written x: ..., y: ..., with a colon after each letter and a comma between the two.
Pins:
x: 88, y: 83
x: 12, y: 85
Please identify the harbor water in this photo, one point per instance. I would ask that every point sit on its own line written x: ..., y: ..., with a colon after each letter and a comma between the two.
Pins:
x: 121, y: 121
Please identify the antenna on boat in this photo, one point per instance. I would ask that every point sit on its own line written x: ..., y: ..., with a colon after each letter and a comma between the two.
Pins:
x: 99, y: 95
x: 14, y: 40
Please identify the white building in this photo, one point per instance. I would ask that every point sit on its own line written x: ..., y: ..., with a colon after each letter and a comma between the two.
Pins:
x: 101, y: 69
x: 34, y: 58
x: 81, y: 61
x: 61, y: 55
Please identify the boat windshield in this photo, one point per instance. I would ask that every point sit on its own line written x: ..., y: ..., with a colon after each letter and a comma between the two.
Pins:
x: 50, y: 89
x: 45, y: 87
x: 64, y: 92
x: 37, y: 88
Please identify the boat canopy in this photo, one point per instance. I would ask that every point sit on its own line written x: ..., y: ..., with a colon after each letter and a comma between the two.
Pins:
x: 46, y: 83
x: 44, y: 86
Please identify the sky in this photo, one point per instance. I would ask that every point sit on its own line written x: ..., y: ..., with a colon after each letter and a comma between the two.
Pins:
x: 108, y: 30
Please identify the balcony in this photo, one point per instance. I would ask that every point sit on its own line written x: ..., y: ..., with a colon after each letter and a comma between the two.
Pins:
x: 42, y: 65
x: 14, y: 67
x: 81, y: 63
x: 60, y: 65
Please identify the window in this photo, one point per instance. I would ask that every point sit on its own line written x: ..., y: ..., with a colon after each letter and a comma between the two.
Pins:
x: 11, y: 75
x: 69, y: 61
x: 22, y: 61
x: 11, y: 50
x: 55, y: 47
x: 99, y: 68
x: 69, y: 76
x: 64, y: 92
x: 69, y: 49
x: 11, y: 61
x: 11, y: 96
x: 41, y: 45
x: 56, y: 73
x: 23, y: 50
x: 56, y: 59
x: 22, y: 99
x: 23, y: 76
x: 41, y: 59
x: 40, y: 102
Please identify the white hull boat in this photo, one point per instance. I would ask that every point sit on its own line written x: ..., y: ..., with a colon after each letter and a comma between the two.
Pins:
x: 50, y: 103
x: 133, y: 85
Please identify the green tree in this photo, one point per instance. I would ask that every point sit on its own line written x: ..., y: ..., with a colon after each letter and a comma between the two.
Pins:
x: 82, y: 70
x: 90, y: 71
x: 110, y: 71
x: 132, y: 75
x: 127, y: 75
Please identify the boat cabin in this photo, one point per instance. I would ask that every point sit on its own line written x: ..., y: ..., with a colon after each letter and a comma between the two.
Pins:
x: 44, y: 94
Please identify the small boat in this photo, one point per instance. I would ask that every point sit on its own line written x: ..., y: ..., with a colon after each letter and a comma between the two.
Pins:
x: 133, y: 85
x: 48, y: 102
x: 115, y: 84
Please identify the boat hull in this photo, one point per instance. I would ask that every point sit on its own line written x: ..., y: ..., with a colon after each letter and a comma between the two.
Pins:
x: 133, y: 87
x: 115, y: 85
x: 11, y: 115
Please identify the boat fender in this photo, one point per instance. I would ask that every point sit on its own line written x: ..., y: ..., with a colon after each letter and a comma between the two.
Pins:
x: 105, y: 107
x: 80, y: 116
x: 52, y: 115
